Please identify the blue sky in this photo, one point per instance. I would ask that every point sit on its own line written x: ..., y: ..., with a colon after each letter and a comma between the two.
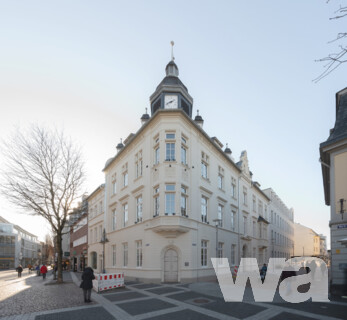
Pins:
x: 90, y: 67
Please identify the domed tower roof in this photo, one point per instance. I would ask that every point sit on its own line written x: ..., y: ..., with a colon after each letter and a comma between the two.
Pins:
x: 171, y: 93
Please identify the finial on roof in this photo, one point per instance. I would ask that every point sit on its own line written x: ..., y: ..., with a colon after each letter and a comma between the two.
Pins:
x: 172, y: 54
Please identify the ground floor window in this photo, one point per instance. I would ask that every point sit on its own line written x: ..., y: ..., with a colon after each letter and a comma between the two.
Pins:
x: 203, y: 253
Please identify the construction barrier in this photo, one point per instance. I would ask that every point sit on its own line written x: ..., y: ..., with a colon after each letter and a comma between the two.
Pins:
x: 107, y: 281
x: 234, y: 271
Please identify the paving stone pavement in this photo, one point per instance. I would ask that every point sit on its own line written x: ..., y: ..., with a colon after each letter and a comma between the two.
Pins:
x: 139, y: 301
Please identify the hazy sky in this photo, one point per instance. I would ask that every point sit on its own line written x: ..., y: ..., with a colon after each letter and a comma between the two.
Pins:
x: 90, y: 67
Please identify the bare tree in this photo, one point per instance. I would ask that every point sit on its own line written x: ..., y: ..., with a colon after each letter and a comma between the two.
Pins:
x: 334, y: 60
x: 43, y: 175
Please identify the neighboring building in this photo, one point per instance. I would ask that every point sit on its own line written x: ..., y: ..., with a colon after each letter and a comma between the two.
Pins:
x: 333, y: 157
x: 96, y: 211
x: 307, y: 241
x: 174, y: 198
x: 79, y: 236
x: 281, y: 231
x: 323, y: 246
x: 17, y: 246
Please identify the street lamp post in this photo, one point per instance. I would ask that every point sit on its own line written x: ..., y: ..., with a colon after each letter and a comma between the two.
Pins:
x: 103, y: 241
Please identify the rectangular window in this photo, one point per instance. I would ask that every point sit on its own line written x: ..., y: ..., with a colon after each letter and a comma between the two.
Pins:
x: 114, y: 255
x: 203, y: 253
x: 170, y: 152
x: 203, y: 209
x: 220, y: 250
x: 220, y: 215
x: 220, y: 177
x: 254, y: 230
x: 254, y: 203
x: 183, y: 155
x: 139, y: 209
x: 233, y: 187
x: 170, y: 136
x: 156, y: 155
x: 183, y: 201
x: 139, y: 253
x: 114, y: 219
x: 114, y: 187
x: 125, y: 215
x: 156, y: 201
x: 233, y: 260
x: 125, y: 254
x: 125, y: 179
x: 138, y: 164
x: 170, y: 199
x: 184, y: 140
x: 245, y: 226
x: 245, y: 196
x: 233, y: 216
x: 204, y: 164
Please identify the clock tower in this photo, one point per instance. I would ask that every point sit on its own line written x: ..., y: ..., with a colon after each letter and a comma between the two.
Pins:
x: 171, y: 93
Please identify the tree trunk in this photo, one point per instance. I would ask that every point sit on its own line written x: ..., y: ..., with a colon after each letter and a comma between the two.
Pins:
x: 60, y: 257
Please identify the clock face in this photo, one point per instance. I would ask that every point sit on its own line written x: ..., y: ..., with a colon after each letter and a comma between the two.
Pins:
x: 171, y: 102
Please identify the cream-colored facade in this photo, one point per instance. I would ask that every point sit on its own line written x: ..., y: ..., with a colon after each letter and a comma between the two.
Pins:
x: 307, y: 241
x: 281, y: 228
x: 174, y: 198
x: 96, y: 211
x: 333, y: 157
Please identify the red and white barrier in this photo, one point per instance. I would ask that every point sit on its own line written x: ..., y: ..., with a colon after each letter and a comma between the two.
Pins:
x: 107, y: 281
x: 234, y: 272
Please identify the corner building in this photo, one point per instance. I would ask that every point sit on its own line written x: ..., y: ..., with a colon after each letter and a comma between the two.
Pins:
x: 174, y: 198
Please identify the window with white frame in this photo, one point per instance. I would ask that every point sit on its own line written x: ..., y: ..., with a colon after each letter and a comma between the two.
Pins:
x: 114, y: 252
x: 233, y: 187
x: 156, y: 201
x: 125, y: 175
x: 233, y: 220
x: 245, y: 225
x: 138, y: 164
x: 170, y: 147
x: 220, y: 250
x: 125, y: 254
x: 220, y: 177
x: 156, y: 155
x: 203, y: 209
x: 183, y: 154
x: 220, y: 215
x: 184, y: 196
x: 203, y: 253
x: 169, y: 199
x: 139, y: 209
x: 232, y: 256
x: 245, y: 196
x: 204, y: 165
x: 114, y: 219
x: 114, y: 187
x: 254, y: 230
x: 125, y: 215
x: 139, y: 253
x: 254, y: 203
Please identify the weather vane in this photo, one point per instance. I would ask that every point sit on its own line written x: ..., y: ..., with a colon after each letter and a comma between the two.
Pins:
x: 172, y: 54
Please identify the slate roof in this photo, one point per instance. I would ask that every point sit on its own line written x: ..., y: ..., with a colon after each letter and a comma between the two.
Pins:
x: 172, y: 81
x: 339, y: 132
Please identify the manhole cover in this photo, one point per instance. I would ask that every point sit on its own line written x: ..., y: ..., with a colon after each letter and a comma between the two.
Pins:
x: 201, y: 301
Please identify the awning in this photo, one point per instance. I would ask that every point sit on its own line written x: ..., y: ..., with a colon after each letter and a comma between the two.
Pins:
x: 343, y: 241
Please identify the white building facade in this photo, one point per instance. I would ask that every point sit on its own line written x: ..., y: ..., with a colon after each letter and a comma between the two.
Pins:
x: 281, y: 228
x: 174, y: 198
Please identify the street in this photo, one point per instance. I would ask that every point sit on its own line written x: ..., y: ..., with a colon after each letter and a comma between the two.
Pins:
x: 31, y: 297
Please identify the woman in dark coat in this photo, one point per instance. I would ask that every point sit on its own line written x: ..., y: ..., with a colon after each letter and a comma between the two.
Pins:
x: 87, y: 283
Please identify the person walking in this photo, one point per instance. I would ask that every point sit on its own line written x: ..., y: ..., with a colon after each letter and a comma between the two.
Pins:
x: 29, y: 268
x: 87, y: 283
x: 19, y: 270
x: 43, y: 270
x: 263, y: 273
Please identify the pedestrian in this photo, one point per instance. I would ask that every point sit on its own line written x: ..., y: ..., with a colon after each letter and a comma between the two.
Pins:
x: 263, y: 272
x: 29, y: 268
x: 87, y: 283
x: 19, y: 270
x: 37, y: 269
x: 43, y: 270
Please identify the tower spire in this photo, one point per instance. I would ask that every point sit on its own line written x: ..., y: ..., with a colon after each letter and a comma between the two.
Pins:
x: 172, y: 54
